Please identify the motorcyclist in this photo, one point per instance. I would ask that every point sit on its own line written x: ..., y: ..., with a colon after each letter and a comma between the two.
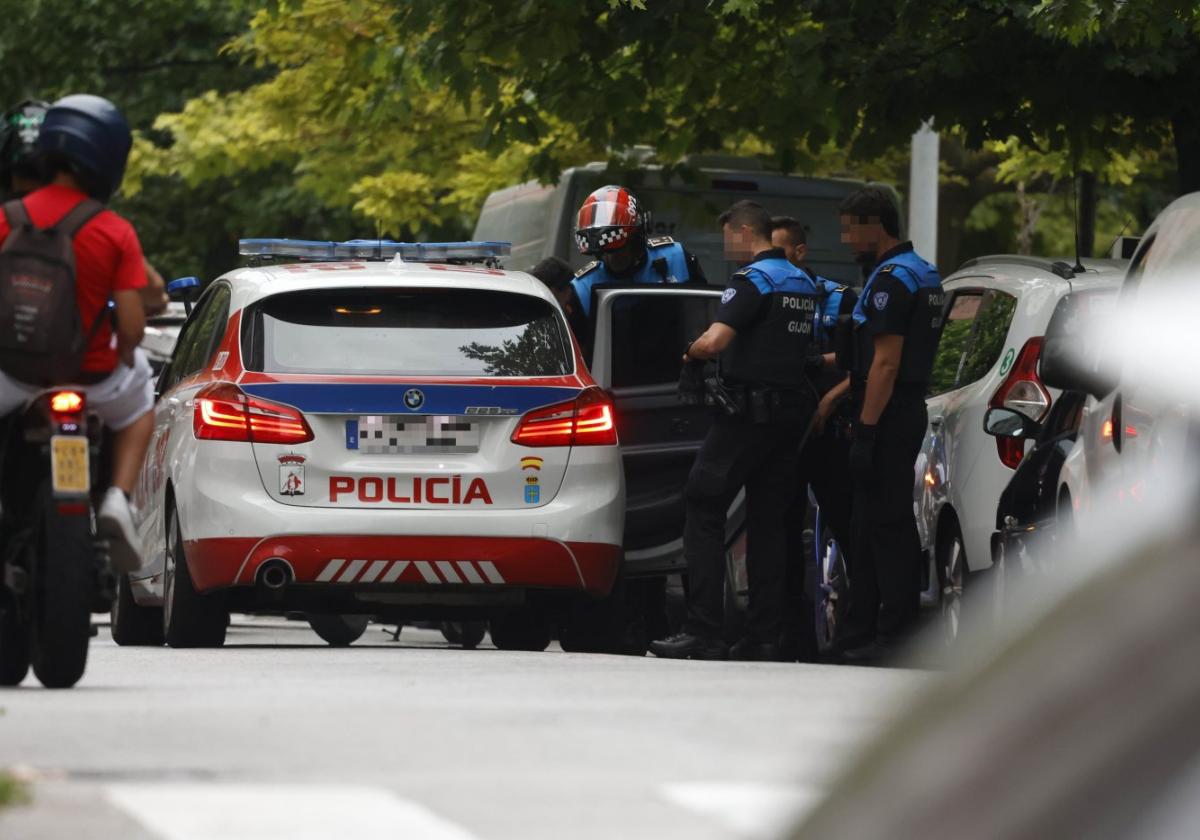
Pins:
x: 613, y: 227
x: 82, y: 147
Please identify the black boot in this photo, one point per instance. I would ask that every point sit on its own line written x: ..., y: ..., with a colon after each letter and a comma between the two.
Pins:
x: 689, y: 646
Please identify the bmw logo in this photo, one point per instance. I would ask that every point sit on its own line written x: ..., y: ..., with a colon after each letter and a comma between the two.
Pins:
x: 413, y: 399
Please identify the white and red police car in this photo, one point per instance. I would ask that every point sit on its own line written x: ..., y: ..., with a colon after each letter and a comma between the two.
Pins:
x: 356, y: 437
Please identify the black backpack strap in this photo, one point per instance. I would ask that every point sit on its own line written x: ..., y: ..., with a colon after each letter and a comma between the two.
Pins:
x: 17, y: 216
x: 80, y: 215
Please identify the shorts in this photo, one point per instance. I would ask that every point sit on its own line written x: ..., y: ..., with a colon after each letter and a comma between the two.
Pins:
x: 119, y: 400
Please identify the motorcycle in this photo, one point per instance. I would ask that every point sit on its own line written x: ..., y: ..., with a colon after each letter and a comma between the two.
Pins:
x: 55, y: 571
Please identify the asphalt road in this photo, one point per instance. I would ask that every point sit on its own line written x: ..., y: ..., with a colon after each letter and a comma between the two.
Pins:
x: 277, y: 736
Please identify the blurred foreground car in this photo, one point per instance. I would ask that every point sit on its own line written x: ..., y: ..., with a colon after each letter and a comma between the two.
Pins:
x: 162, y: 331
x: 1137, y: 419
x: 997, y: 310
x: 413, y: 438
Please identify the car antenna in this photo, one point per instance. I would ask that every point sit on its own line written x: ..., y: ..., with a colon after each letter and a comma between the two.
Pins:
x: 1078, y: 267
x: 1117, y: 238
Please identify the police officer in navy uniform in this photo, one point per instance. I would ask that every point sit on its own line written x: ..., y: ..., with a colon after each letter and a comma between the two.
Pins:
x: 824, y: 459
x: 761, y: 338
x: 891, y: 345
x: 613, y: 227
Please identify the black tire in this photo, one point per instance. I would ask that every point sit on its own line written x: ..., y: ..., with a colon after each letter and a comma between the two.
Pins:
x: 953, y: 575
x: 338, y: 630
x: 133, y: 625
x: 467, y: 634
x: 61, y: 625
x: 614, y: 624
x: 190, y: 619
x: 524, y: 628
x: 14, y: 648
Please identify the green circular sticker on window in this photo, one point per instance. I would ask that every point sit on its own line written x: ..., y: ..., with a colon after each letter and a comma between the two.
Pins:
x: 1009, y: 358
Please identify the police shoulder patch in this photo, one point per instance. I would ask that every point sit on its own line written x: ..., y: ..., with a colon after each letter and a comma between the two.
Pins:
x: 588, y: 269
x: 880, y: 299
x: 886, y: 268
x: 727, y: 295
x: 659, y: 241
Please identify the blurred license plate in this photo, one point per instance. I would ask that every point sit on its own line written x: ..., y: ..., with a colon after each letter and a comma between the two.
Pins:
x: 69, y: 464
x: 375, y: 434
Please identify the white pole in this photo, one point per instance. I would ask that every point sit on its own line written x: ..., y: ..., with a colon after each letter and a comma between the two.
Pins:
x: 923, y: 192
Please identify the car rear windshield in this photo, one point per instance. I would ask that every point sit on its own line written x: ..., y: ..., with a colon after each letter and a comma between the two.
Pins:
x: 408, y: 332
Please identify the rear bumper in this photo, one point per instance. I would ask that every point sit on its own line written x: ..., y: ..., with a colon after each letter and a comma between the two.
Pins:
x: 405, y: 561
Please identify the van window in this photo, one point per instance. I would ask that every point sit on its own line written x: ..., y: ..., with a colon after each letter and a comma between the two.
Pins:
x: 520, y: 215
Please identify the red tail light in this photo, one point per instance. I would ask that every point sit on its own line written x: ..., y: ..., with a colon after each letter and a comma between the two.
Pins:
x: 224, y: 412
x: 1022, y: 391
x: 585, y: 421
x: 67, y: 407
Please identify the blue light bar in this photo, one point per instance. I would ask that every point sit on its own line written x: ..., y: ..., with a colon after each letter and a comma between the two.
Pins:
x: 374, y: 249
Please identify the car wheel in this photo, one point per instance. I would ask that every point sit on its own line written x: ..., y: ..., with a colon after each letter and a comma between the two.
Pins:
x: 614, y: 624
x: 468, y: 634
x: 338, y: 630
x: 521, y: 629
x: 14, y: 648
x: 832, y: 591
x: 190, y: 619
x: 133, y: 625
x: 953, y: 572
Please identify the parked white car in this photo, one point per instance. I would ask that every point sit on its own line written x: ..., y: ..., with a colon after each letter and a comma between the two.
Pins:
x: 1137, y: 421
x: 997, y: 310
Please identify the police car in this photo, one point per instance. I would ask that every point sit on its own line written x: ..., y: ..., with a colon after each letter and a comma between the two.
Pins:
x: 377, y: 430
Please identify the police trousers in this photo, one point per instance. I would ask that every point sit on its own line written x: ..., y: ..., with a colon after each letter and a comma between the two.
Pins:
x: 885, y: 548
x: 761, y: 457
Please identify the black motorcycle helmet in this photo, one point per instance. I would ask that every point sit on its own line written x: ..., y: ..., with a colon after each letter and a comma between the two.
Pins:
x: 88, y: 136
x: 18, y: 141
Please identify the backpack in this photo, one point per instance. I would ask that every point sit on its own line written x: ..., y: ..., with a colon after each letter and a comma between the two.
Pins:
x: 41, y: 335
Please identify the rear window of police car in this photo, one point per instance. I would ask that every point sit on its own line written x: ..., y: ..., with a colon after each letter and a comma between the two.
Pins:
x: 414, y: 332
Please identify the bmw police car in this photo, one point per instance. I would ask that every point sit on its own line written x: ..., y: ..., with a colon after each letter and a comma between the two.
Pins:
x: 378, y: 429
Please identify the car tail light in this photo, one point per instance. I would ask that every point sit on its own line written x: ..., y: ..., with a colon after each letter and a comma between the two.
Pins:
x: 587, y: 420
x: 1021, y: 391
x: 224, y: 412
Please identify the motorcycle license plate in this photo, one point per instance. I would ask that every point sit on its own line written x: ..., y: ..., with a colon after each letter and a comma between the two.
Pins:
x: 69, y: 465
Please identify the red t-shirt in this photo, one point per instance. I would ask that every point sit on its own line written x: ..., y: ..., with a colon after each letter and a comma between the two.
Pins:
x: 108, y: 258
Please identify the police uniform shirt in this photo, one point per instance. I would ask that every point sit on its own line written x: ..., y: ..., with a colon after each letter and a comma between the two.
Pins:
x: 742, y: 302
x: 889, y: 307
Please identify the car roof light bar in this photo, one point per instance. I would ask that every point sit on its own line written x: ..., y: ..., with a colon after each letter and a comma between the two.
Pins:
x: 374, y: 249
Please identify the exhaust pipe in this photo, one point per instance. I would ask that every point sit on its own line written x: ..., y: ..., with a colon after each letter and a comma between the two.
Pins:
x: 276, y: 573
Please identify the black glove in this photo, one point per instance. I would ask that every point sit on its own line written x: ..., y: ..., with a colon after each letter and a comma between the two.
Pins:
x: 814, y: 365
x: 862, y: 452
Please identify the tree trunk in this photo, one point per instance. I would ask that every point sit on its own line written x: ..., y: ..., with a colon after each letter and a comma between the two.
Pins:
x: 1087, y: 213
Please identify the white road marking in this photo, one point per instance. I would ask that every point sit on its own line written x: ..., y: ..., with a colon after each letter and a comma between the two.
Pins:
x: 490, y: 570
x: 373, y: 571
x: 278, y: 812
x: 750, y: 809
x: 331, y: 569
x: 352, y: 570
x: 427, y: 572
x: 395, y: 571
x: 468, y: 569
x: 447, y: 570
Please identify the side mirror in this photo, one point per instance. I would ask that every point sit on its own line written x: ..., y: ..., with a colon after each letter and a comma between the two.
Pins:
x: 184, y: 289
x: 1006, y: 423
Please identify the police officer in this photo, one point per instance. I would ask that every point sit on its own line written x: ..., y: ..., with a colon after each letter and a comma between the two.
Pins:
x: 761, y: 338
x: 824, y: 459
x: 612, y: 227
x: 896, y: 325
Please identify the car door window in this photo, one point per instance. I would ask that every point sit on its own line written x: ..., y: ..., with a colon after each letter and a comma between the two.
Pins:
x: 649, y: 333
x: 199, y: 337
x: 952, y: 345
x: 989, y: 334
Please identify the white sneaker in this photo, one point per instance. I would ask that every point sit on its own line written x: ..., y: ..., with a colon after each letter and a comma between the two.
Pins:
x: 115, y: 523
